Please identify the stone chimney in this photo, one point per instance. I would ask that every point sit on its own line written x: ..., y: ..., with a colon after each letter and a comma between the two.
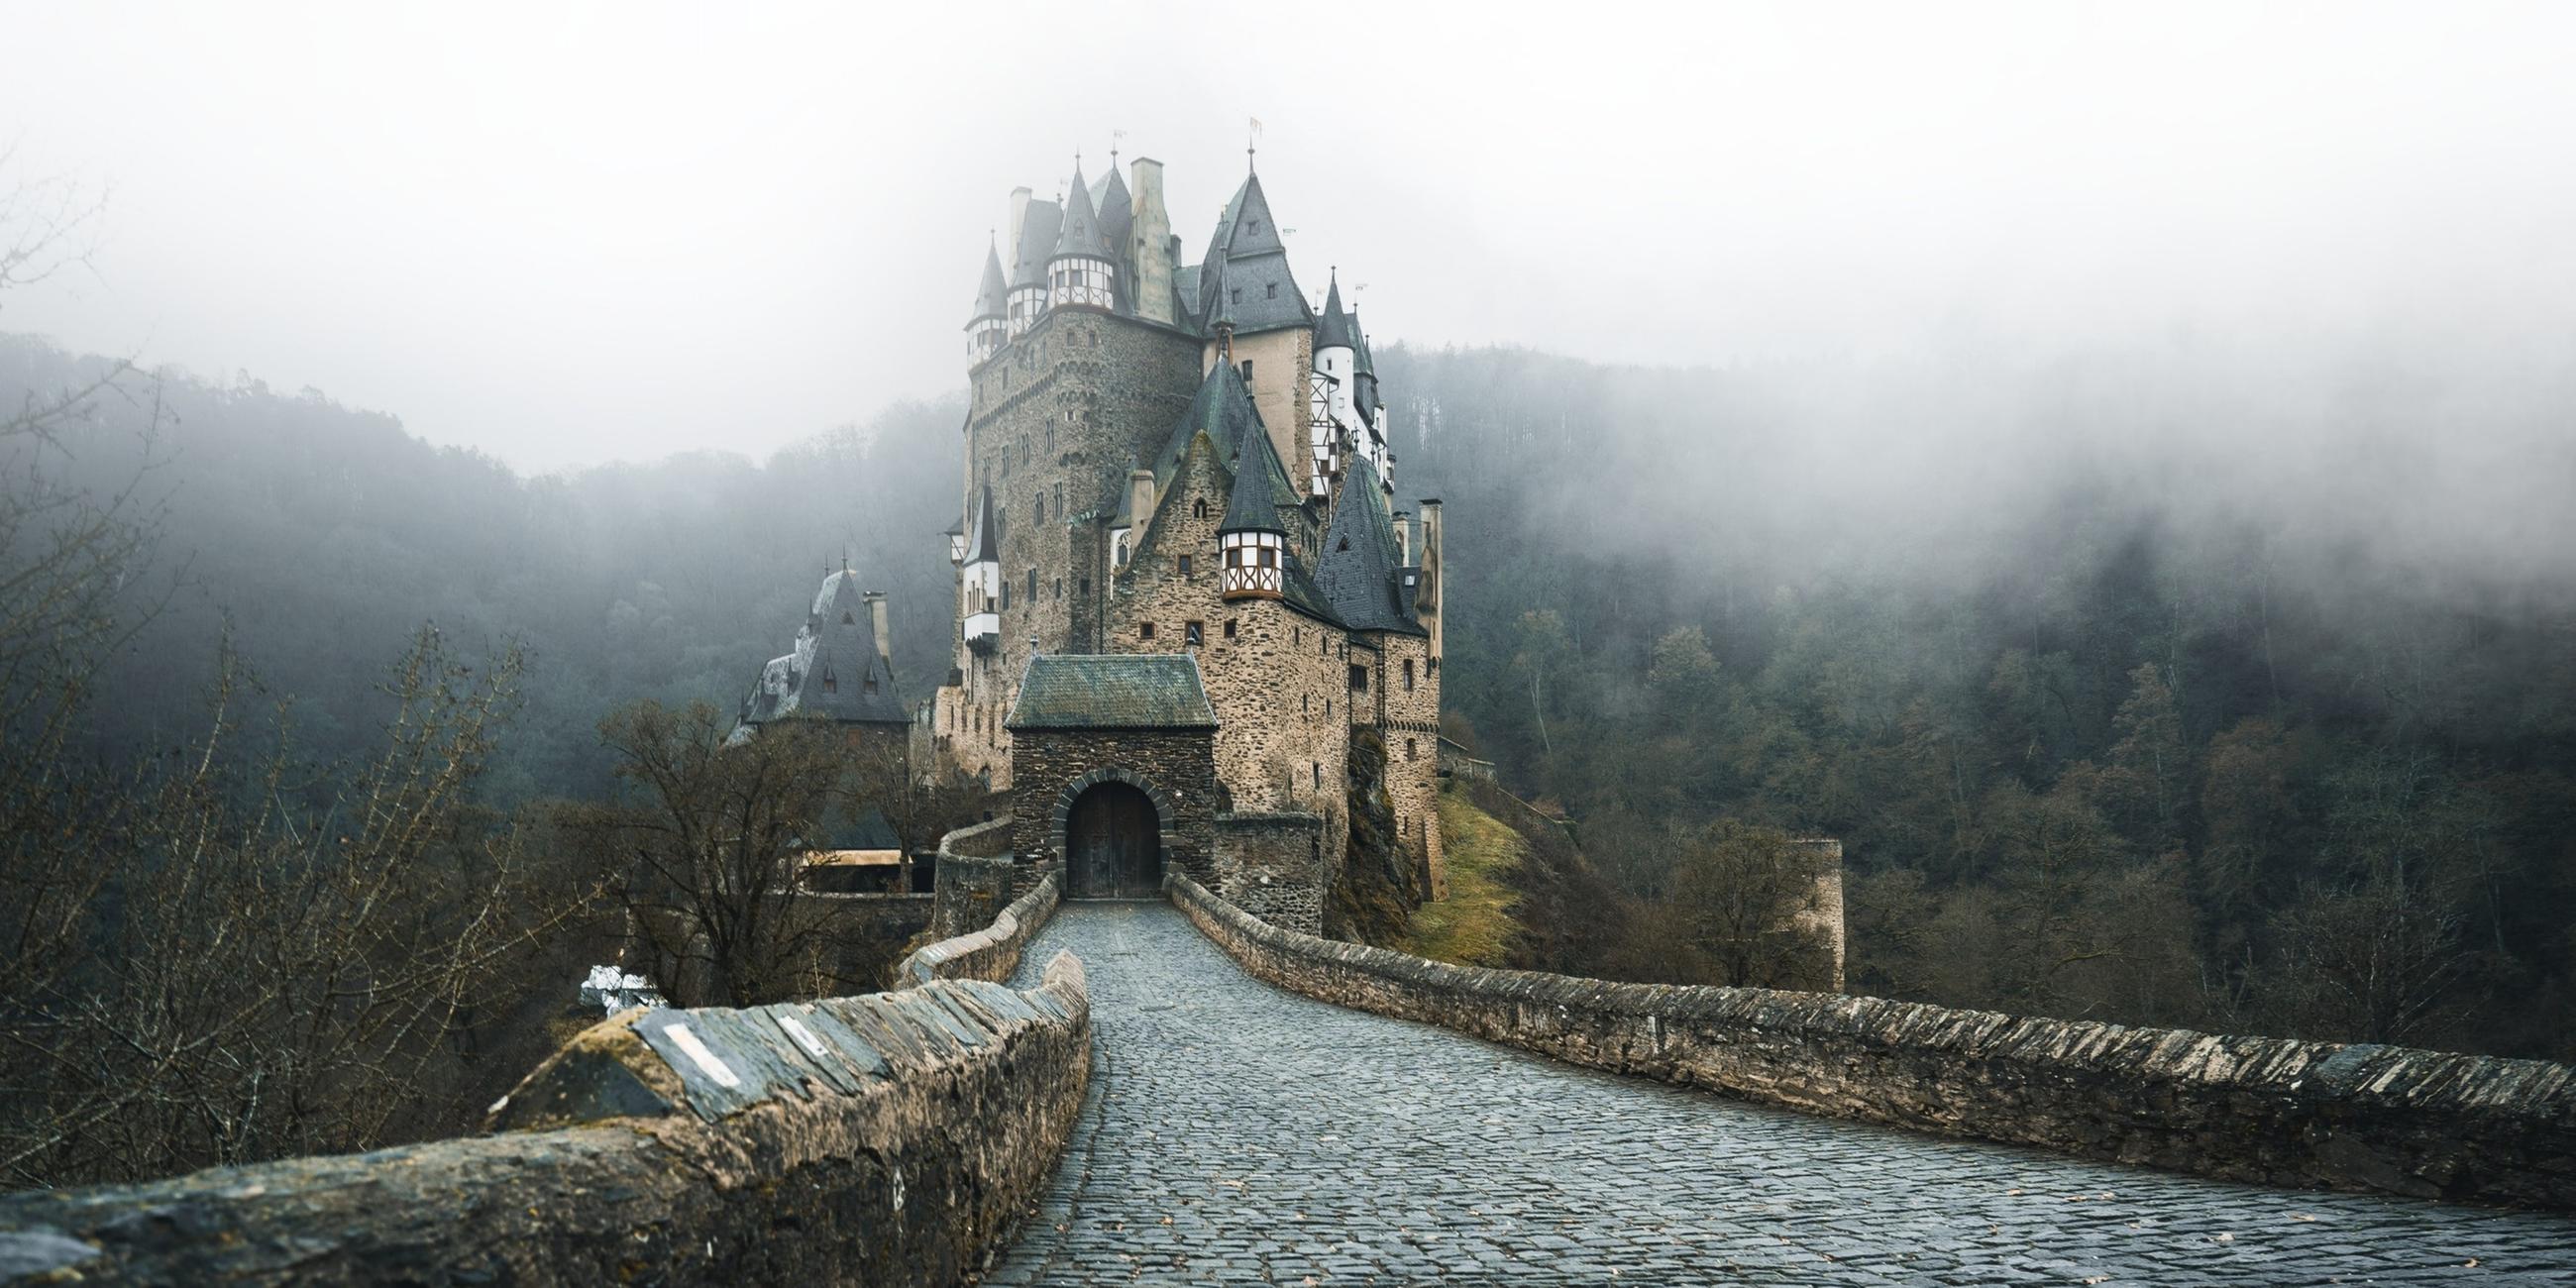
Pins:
x: 1150, y: 237
x: 1426, y: 596
x: 877, y: 620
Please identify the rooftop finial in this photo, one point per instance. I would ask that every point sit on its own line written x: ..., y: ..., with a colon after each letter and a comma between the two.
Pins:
x: 1251, y: 144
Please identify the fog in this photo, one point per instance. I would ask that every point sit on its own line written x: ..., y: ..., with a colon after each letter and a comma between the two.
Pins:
x: 616, y: 231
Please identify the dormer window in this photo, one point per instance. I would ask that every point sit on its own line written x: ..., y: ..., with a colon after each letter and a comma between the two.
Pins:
x: 868, y: 685
x: 1238, y: 295
x: 847, y: 620
x: 831, y: 684
x: 1274, y: 291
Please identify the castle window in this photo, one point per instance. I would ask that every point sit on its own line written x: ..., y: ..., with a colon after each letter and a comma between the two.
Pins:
x: 1229, y: 628
x: 1006, y: 596
x: 1359, y: 679
x: 1238, y: 295
x: 1033, y: 585
x: 868, y: 685
x: 1319, y: 775
x: 1408, y: 675
x: 1193, y: 634
x: 1145, y: 630
x: 1198, y: 508
x: 1247, y: 371
x: 1086, y: 585
x: 1274, y: 291
x: 1059, y: 598
x: 1408, y: 749
x: 1037, y: 509
x: 831, y: 684
x: 1185, y: 565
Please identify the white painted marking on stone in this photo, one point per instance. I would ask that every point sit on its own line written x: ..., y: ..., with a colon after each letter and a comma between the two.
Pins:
x: 804, y: 1036
x: 707, y: 1060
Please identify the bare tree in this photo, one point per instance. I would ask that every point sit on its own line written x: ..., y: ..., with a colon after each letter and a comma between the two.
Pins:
x: 1741, y: 889
x: 704, y: 848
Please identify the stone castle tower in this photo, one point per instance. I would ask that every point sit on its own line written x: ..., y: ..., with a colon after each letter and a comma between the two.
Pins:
x: 1173, y: 463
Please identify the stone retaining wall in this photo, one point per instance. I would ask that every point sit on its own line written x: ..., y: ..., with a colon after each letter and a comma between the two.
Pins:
x: 992, y: 953
x: 895, y: 1138
x: 2279, y: 1112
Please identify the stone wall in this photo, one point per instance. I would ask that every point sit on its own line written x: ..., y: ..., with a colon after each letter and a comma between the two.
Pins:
x: 1054, y: 421
x: 1273, y: 866
x: 1407, y: 708
x: 992, y: 953
x: 892, y: 1139
x: 1278, y: 682
x: 2267, y: 1110
x: 869, y: 932
x: 1173, y: 767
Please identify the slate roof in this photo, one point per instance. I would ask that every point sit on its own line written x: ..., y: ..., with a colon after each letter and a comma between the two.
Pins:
x: 834, y: 671
x: 1112, y: 691
x: 1357, y: 573
x: 1039, y: 225
x: 982, y: 545
x: 990, y: 292
x: 1222, y: 409
x: 1333, y: 329
x: 1079, y: 231
x: 1252, y: 505
x: 1256, y: 288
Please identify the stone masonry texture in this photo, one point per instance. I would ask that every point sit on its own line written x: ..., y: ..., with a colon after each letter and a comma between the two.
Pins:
x: 1173, y: 767
x: 2424, y: 1123
x: 1235, y: 1133
x: 884, y: 1139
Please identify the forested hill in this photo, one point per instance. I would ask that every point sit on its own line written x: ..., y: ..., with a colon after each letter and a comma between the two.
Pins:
x: 326, y: 535
x: 2138, y: 688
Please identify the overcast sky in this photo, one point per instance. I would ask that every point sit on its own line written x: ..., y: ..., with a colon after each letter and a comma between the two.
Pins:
x: 567, y: 234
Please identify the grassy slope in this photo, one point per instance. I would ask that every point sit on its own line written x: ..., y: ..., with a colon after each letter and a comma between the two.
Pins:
x: 1474, y: 925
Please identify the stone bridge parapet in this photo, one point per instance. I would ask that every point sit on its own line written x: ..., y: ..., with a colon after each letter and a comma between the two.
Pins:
x: 2269, y: 1110
x: 894, y: 1138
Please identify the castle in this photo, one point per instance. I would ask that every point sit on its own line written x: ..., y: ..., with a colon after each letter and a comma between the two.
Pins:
x: 1183, y: 463
x: 1186, y: 597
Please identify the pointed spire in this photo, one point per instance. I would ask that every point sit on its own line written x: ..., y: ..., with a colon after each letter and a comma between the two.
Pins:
x: 990, y: 296
x: 1250, y: 508
x: 1081, y: 232
x: 1333, y: 329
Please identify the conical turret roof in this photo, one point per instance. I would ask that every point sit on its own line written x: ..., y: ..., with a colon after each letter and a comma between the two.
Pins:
x: 982, y: 545
x: 1117, y: 214
x: 1252, y: 505
x: 1080, y: 232
x: 1333, y: 330
x: 989, y: 297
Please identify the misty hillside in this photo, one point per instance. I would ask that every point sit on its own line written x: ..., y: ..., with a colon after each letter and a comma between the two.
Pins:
x: 2118, y: 716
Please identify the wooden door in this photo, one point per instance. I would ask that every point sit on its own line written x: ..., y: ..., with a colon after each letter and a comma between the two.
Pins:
x: 1114, y: 844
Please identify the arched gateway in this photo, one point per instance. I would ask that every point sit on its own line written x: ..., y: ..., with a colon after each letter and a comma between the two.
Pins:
x: 1113, y: 771
x: 1113, y: 844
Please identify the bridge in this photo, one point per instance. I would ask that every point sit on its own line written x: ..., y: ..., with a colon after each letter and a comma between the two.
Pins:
x: 1236, y: 1133
x: 1179, y: 1092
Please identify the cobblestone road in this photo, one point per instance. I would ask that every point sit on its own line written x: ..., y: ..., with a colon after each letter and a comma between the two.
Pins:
x: 1241, y: 1134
